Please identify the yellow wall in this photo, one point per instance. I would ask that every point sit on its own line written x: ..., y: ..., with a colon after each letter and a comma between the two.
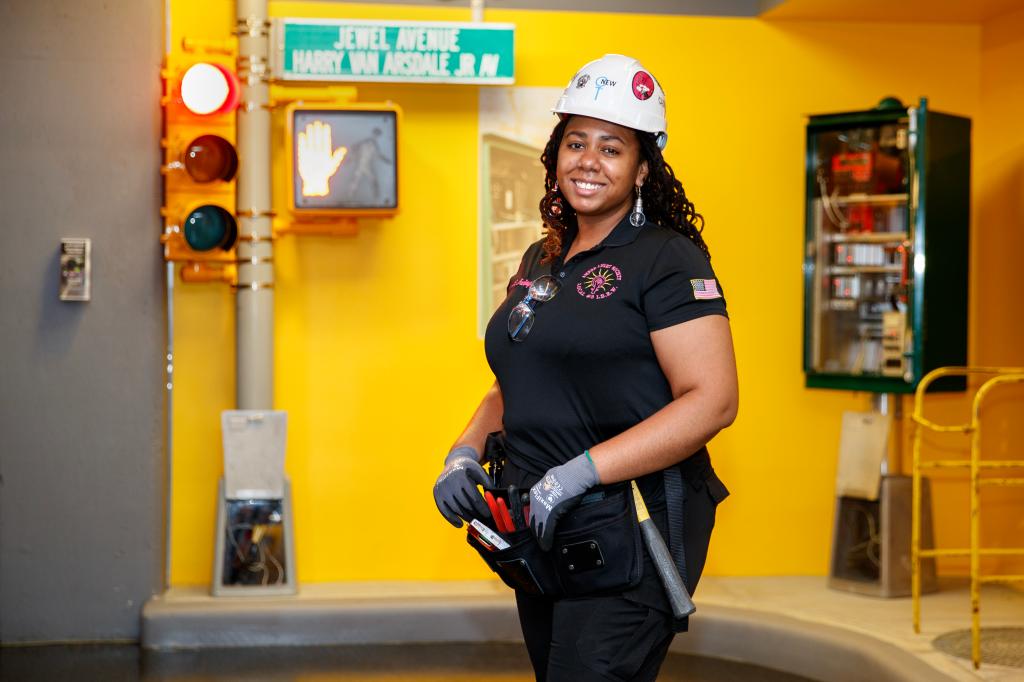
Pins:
x: 998, y: 310
x: 377, y: 360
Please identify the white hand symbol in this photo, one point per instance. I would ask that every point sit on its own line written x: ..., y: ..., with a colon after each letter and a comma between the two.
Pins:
x: 317, y: 162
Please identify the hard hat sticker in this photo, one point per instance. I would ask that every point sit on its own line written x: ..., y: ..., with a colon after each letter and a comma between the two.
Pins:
x: 643, y: 85
x: 582, y: 80
x: 602, y: 82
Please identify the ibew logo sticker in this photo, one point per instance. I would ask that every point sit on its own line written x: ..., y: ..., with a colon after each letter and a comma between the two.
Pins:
x: 602, y: 82
x: 599, y: 282
x: 643, y: 85
x: 582, y: 80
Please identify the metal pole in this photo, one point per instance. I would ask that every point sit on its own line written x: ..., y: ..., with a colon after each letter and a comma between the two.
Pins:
x: 889, y: 404
x: 477, y: 7
x: 169, y: 384
x: 169, y: 426
x: 915, y: 509
x: 254, y: 323
x: 975, y: 533
x: 895, y: 455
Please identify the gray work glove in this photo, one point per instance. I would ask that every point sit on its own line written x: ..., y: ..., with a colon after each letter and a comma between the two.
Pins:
x: 556, y: 493
x: 455, y: 491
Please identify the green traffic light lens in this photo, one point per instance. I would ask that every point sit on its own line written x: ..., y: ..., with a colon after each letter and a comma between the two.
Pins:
x: 209, y: 227
x: 209, y: 158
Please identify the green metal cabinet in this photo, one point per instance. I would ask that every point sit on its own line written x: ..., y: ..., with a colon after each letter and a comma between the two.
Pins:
x: 887, y: 247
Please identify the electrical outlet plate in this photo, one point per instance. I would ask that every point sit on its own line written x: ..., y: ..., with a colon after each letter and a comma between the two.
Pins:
x: 75, y: 265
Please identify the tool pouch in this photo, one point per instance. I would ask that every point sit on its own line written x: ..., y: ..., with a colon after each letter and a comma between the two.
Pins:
x: 598, y: 546
x: 522, y: 566
x: 597, y: 549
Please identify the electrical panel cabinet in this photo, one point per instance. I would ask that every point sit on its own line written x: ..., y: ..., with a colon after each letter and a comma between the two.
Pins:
x: 887, y: 247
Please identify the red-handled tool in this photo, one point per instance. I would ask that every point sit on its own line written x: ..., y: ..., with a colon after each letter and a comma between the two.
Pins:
x: 504, y: 515
x: 499, y: 521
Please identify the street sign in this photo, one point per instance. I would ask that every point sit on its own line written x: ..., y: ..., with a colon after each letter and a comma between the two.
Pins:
x: 393, y: 51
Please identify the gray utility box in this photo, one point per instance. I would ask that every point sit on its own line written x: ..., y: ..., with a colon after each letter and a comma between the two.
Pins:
x: 871, y: 541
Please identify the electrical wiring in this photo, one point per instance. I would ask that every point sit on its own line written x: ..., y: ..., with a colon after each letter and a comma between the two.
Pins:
x: 266, y: 564
x: 280, y: 568
x: 832, y: 210
x: 869, y: 547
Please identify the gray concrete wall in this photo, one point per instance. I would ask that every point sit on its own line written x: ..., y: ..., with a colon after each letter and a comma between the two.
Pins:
x: 81, y: 384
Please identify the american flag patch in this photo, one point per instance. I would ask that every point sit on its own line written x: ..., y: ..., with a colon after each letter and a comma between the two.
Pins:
x: 705, y: 289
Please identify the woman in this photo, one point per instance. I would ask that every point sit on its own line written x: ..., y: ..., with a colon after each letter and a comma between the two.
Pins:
x: 613, y: 361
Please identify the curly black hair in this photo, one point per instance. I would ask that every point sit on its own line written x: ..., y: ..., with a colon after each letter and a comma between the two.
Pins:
x: 665, y: 201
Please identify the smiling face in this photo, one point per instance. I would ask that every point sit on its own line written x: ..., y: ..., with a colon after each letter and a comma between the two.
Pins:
x: 599, y: 167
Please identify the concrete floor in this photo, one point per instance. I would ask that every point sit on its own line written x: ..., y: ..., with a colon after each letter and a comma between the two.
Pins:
x: 788, y: 623
x: 363, y: 663
x: 890, y: 620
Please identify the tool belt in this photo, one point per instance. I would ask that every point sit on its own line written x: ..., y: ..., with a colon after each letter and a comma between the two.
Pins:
x: 597, y: 546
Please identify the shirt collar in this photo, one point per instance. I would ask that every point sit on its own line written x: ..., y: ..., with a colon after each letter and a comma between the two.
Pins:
x: 623, y: 233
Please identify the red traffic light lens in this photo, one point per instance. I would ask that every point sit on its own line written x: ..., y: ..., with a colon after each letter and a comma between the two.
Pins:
x: 209, y: 89
x: 209, y: 158
x: 209, y: 227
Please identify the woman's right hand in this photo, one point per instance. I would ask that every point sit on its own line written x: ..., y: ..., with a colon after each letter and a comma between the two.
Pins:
x: 455, y: 491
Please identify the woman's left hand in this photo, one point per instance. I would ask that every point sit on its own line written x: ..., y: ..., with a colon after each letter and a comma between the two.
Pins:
x: 556, y: 493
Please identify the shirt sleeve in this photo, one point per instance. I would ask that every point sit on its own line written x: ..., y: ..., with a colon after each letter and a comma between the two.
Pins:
x: 681, y: 286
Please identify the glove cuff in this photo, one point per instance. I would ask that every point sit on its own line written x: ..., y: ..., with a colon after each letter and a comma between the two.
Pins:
x: 462, y: 452
x: 580, y: 471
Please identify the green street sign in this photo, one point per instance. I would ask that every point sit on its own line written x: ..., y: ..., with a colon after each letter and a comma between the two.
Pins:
x: 393, y: 51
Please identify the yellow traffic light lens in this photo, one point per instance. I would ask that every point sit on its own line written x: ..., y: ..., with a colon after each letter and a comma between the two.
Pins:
x: 209, y: 227
x: 209, y: 89
x: 209, y: 158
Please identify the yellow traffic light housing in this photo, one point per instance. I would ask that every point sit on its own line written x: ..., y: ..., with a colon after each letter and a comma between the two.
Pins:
x: 201, y: 93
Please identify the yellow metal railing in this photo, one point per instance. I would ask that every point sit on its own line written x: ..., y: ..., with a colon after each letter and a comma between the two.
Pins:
x: 1001, y: 377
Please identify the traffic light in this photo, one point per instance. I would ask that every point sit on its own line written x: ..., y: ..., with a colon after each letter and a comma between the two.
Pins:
x: 201, y: 93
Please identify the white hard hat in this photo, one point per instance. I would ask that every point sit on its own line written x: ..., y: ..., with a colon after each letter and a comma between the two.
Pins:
x: 618, y: 89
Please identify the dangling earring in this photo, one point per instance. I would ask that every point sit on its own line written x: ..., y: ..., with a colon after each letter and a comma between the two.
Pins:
x: 551, y: 204
x: 637, y: 217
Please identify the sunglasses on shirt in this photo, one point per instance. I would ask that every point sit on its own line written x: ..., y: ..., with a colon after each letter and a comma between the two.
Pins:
x: 522, y: 317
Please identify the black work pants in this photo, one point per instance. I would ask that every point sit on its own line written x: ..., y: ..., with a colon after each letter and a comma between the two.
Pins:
x: 594, y: 639
x: 622, y: 637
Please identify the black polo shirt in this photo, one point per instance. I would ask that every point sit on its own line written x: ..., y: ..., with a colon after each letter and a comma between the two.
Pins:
x: 587, y: 371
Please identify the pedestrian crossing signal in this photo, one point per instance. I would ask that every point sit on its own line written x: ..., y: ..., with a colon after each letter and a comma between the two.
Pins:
x: 343, y: 160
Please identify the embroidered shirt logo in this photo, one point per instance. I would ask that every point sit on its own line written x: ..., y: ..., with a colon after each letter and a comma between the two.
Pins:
x: 705, y: 289
x: 600, y: 281
x: 521, y: 282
